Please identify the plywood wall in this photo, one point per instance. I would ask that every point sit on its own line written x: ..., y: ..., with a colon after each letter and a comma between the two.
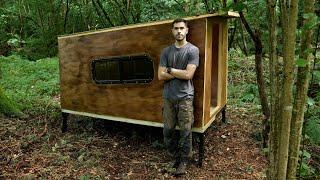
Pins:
x: 136, y: 101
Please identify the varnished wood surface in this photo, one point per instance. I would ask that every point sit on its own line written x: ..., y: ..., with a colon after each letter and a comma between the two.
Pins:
x: 219, y: 76
x: 207, y: 73
x: 212, y: 90
x: 215, y: 64
x: 224, y: 64
x: 143, y: 101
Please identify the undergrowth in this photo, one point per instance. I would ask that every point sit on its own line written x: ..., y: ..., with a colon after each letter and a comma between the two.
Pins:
x: 33, y: 85
x: 243, y: 92
x: 242, y: 86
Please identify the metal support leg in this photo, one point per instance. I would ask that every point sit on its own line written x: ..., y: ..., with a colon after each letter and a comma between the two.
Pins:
x: 201, y: 148
x: 64, y: 127
x: 223, y: 113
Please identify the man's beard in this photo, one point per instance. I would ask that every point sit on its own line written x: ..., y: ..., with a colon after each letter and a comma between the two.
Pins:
x: 179, y: 39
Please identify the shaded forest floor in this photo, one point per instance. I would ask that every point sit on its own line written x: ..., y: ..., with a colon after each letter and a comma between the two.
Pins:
x: 100, y: 149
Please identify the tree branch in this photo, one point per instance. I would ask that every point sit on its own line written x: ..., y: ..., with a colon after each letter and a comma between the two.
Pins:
x: 105, y: 13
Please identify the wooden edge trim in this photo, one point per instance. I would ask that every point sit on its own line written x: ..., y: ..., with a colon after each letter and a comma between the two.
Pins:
x: 126, y: 120
x: 220, y: 54
x: 204, y: 78
x: 233, y: 14
x: 213, y: 113
x: 228, y: 14
x: 226, y: 63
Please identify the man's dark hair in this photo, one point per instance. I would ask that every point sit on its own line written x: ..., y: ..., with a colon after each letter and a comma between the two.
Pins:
x: 180, y: 20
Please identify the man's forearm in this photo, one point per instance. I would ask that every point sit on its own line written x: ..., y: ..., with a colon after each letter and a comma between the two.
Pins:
x: 181, y: 74
x: 165, y: 76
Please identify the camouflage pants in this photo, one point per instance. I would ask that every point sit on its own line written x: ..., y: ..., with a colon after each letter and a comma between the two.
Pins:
x: 178, y: 113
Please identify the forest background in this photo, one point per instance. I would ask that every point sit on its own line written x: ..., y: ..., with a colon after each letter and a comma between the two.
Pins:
x: 29, y: 64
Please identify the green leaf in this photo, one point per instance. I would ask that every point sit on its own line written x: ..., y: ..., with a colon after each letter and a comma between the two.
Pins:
x: 306, y: 154
x: 308, y: 51
x: 239, y: 6
x: 229, y: 2
x: 301, y: 62
x: 310, y: 25
x: 317, y: 74
x: 309, y: 16
x: 310, y: 101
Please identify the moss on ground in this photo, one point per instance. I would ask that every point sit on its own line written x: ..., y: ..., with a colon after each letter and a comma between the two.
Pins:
x: 8, y: 107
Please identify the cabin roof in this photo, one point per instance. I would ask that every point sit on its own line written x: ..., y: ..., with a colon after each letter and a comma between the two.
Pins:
x: 228, y: 14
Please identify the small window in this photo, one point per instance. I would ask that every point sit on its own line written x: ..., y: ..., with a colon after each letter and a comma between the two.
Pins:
x: 124, y: 69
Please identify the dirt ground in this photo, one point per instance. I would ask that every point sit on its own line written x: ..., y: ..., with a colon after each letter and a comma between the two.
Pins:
x: 100, y: 149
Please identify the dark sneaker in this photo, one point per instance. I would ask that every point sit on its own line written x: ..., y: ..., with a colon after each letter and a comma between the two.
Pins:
x: 181, y: 170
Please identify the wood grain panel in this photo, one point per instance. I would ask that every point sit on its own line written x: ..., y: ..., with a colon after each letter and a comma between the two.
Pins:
x: 224, y: 63
x: 215, y: 64
x: 136, y: 101
x: 222, y: 66
x: 214, y: 70
x: 207, y: 72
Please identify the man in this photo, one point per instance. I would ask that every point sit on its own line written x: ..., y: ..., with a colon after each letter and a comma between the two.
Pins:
x: 178, y: 63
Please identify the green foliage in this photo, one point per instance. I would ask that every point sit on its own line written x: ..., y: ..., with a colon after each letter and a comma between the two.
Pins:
x: 313, y: 126
x: 305, y: 170
x: 39, y: 48
x: 251, y: 91
x: 242, y: 87
x: 32, y: 84
x: 4, y: 35
x: 32, y: 26
x: 301, y: 62
x: 313, y: 21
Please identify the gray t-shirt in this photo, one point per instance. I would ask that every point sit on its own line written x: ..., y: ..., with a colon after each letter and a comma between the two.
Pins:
x: 179, y: 58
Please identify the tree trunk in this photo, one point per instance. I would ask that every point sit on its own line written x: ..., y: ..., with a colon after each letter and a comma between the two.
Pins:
x: 289, y: 14
x: 244, y: 44
x: 124, y: 14
x: 301, y: 95
x: 261, y: 88
x: 106, y: 15
x: 231, y: 39
x: 96, y: 7
x: 274, y: 90
x: 66, y: 18
x: 224, y: 3
x: 259, y: 72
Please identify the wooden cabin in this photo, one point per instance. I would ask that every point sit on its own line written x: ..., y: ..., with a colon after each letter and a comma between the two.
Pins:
x: 112, y: 73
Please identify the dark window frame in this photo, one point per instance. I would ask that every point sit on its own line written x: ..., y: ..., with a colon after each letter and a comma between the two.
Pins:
x: 124, y: 77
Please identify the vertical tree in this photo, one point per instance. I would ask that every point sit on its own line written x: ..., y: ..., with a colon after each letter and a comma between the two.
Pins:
x: 289, y: 16
x: 286, y: 114
x: 301, y: 89
x: 256, y: 38
x: 274, y: 89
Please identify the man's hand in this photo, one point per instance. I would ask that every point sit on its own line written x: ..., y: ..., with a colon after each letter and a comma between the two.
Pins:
x: 163, y: 75
x: 184, y: 74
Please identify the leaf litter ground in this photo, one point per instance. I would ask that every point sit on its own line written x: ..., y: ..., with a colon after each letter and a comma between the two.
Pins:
x: 95, y: 148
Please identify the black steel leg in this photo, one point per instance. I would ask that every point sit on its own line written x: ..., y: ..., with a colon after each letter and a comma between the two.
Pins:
x: 224, y: 114
x: 64, y: 127
x: 201, y: 148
